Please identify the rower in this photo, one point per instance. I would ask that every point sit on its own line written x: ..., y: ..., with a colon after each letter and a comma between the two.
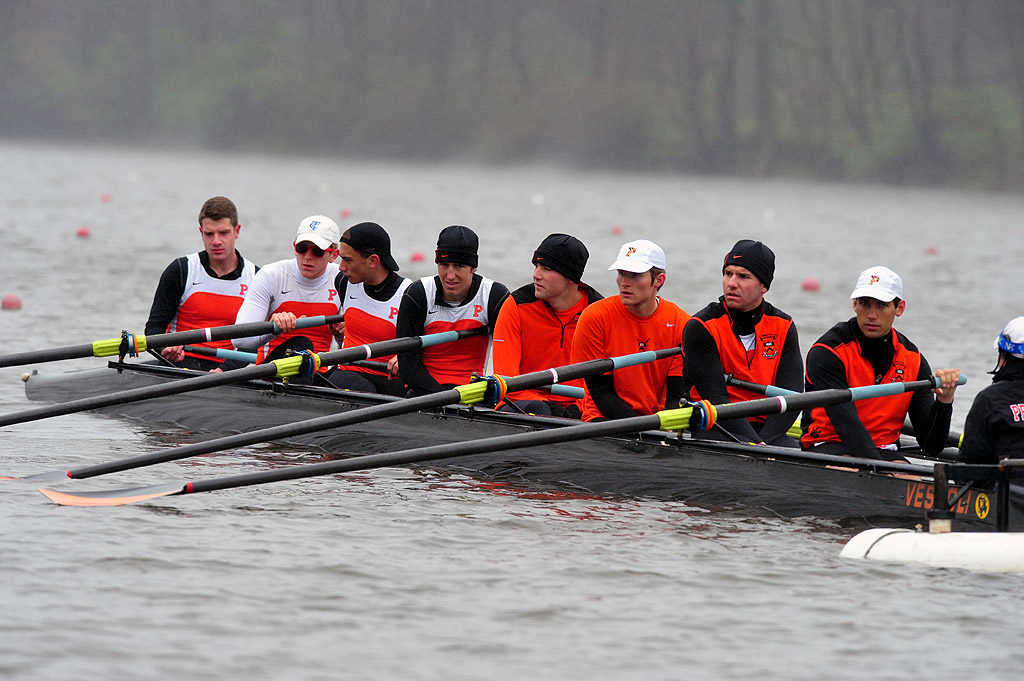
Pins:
x: 536, y: 324
x: 994, y: 428
x: 866, y: 350
x: 745, y: 336
x: 371, y: 291
x: 204, y: 289
x: 636, y: 320
x: 457, y: 298
x: 302, y: 286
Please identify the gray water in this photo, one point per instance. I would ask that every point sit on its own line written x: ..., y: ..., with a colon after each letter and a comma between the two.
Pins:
x: 408, y: 574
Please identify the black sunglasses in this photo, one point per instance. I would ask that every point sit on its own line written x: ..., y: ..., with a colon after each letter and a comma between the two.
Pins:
x: 304, y: 246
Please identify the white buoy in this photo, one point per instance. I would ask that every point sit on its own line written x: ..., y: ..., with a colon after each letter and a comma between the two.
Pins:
x: 987, y: 551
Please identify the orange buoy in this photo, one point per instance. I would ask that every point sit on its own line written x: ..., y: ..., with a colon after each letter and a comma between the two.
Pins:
x: 107, y: 198
x: 83, y: 232
x: 11, y: 302
x: 810, y: 284
x: 416, y: 257
x: 931, y: 250
x: 616, y: 230
x: 345, y: 212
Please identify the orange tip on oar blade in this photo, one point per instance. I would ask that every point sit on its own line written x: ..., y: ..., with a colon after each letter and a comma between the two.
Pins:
x: 112, y: 497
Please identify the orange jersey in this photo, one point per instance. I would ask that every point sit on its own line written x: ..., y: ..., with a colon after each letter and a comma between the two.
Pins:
x: 758, y: 365
x: 531, y: 336
x: 883, y: 416
x: 608, y: 329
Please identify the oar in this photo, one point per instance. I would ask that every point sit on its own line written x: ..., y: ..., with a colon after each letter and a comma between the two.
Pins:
x: 704, y: 414
x: 278, y: 368
x: 222, y: 353
x: 471, y: 393
x: 952, y: 440
x: 250, y: 358
x: 134, y: 343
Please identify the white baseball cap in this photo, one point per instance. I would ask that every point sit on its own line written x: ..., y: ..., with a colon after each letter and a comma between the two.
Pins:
x: 639, y: 256
x: 1011, y: 338
x: 319, y: 230
x: 879, y: 283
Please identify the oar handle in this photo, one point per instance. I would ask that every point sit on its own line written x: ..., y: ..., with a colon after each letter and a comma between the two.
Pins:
x: 775, y: 391
x: 397, y: 345
x: 222, y: 353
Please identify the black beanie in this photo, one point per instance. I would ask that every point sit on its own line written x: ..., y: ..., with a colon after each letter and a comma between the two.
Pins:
x: 564, y: 254
x: 457, y: 244
x: 754, y: 256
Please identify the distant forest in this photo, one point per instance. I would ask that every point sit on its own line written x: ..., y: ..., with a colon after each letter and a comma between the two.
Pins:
x: 927, y: 92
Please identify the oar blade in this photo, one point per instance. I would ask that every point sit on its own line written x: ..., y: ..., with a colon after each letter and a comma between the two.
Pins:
x: 49, y: 476
x: 113, y: 497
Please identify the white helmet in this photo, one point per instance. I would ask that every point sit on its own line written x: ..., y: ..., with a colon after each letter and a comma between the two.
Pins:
x: 1011, y: 340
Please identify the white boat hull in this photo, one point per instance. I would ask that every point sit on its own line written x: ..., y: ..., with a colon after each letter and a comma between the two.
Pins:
x: 988, y: 551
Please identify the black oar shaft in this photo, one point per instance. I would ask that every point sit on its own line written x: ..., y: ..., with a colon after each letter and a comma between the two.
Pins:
x: 156, y: 341
x: 364, y: 415
x: 148, y: 392
x: 814, y: 398
x: 185, y: 385
x: 432, y: 453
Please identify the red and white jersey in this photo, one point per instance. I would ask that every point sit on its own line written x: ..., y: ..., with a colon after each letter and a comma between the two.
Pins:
x: 208, y: 301
x: 456, y: 362
x: 280, y: 287
x: 368, y: 320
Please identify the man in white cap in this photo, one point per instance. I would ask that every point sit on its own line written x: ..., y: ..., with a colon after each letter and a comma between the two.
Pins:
x: 636, y: 320
x: 994, y: 428
x: 867, y: 350
x: 302, y: 286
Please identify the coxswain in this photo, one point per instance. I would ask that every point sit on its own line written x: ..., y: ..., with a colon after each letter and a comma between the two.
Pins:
x: 867, y: 350
x: 204, y: 289
x: 636, y: 320
x: 302, y: 286
x: 744, y: 336
x: 371, y: 291
x: 994, y: 428
x: 456, y: 298
x: 536, y: 324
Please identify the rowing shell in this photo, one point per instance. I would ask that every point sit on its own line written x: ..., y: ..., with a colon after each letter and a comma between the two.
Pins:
x: 652, y: 464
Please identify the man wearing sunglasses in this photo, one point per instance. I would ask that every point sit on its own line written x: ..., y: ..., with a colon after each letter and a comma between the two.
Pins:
x: 303, y: 286
x: 457, y: 298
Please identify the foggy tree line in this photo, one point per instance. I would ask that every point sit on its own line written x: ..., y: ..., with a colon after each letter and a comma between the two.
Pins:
x: 902, y: 91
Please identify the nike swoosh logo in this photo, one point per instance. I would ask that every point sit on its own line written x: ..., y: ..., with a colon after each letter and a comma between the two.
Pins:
x: 352, y: 298
x: 669, y: 325
x: 736, y: 256
x: 284, y: 292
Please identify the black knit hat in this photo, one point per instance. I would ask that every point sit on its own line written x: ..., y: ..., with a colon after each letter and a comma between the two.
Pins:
x: 754, y: 256
x: 457, y: 244
x: 370, y: 238
x: 564, y: 254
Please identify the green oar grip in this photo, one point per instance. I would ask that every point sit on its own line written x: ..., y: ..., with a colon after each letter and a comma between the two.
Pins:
x: 675, y: 419
x: 471, y: 393
x: 288, y: 366
x: 112, y: 346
